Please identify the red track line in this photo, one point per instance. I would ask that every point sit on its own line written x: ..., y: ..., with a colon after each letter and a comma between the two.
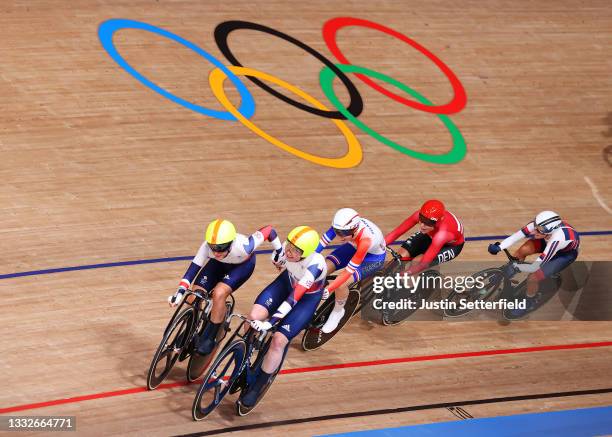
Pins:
x: 318, y: 369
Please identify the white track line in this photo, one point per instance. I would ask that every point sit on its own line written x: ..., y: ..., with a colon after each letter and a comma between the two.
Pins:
x: 597, y: 196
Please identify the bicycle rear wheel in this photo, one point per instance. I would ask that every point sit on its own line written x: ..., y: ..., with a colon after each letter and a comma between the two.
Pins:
x: 412, y: 299
x: 313, y: 337
x: 219, y: 379
x: 171, y: 346
x: 492, y: 281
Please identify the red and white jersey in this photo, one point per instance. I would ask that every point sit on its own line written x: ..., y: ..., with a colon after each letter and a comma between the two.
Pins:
x: 371, y: 233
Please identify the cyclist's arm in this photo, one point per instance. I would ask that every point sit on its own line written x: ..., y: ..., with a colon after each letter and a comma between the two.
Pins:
x: 195, y: 266
x: 551, y: 249
x: 312, y: 272
x: 438, y: 241
x: 402, y: 228
x: 325, y: 239
x: 362, y: 250
x: 524, y: 232
x: 266, y: 233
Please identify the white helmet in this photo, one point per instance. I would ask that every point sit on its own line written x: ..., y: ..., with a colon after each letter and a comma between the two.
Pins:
x: 345, y: 219
x: 547, y: 221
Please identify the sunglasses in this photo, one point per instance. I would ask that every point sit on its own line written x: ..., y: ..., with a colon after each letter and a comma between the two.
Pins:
x: 426, y: 221
x: 293, y: 248
x: 344, y: 232
x: 543, y: 230
x: 220, y: 248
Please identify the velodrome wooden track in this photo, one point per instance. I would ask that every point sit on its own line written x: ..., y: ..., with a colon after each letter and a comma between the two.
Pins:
x: 97, y: 168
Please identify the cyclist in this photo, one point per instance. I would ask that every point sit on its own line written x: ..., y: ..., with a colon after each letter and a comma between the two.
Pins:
x: 361, y: 255
x: 440, y: 237
x: 228, y: 260
x: 555, y: 240
x: 291, y: 298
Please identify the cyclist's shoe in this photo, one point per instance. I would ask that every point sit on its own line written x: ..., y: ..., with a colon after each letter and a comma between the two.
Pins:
x: 205, y: 345
x: 250, y: 397
x: 332, y: 322
x: 530, y: 304
x: 207, y: 340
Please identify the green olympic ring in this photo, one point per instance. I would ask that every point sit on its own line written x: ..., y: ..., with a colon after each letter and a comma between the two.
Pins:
x: 326, y: 78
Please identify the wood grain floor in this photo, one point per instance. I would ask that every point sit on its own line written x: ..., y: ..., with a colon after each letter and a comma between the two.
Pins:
x: 97, y: 168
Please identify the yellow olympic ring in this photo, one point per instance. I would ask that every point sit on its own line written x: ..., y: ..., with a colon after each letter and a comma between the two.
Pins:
x: 353, y: 155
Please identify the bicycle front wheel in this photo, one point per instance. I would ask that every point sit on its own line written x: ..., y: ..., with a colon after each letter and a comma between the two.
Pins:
x: 217, y: 382
x: 170, y: 348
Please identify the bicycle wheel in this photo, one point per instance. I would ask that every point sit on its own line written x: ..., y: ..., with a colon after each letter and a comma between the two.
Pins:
x: 411, y: 300
x: 170, y: 348
x: 313, y: 337
x: 198, y: 363
x: 404, y: 297
x: 458, y: 303
x: 218, y: 379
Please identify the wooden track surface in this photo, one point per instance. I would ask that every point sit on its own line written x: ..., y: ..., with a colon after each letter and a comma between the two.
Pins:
x: 97, y: 168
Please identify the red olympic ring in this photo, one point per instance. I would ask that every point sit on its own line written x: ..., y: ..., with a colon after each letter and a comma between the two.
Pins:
x: 331, y: 27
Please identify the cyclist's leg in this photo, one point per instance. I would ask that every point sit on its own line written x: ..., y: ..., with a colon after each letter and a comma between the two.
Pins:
x: 230, y: 277
x: 446, y: 254
x: 235, y: 276
x: 271, y: 297
x: 337, y: 260
x: 368, y: 267
x: 533, y: 297
x: 415, y: 246
x: 268, y: 301
x: 529, y: 247
x: 298, y: 319
x: 557, y: 263
x: 209, y: 276
x: 340, y: 257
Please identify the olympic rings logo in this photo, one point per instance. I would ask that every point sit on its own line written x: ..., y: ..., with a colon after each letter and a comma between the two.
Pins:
x: 327, y: 75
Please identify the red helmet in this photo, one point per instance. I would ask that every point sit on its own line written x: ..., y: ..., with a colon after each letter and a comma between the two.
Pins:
x: 431, y: 212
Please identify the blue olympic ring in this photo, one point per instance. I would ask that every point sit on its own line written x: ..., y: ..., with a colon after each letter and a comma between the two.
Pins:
x: 109, y: 27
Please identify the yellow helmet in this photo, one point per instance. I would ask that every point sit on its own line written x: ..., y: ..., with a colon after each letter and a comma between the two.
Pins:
x: 220, y: 234
x: 304, y: 238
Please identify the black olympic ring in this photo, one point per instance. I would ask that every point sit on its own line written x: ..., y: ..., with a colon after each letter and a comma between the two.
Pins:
x: 223, y: 30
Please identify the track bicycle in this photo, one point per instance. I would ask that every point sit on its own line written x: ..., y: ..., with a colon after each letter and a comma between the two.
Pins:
x: 361, y: 293
x: 235, y: 369
x: 496, y: 285
x: 178, y: 342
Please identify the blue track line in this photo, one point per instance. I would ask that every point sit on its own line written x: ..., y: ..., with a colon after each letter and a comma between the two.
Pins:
x: 567, y: 423
x: 188, y: 258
